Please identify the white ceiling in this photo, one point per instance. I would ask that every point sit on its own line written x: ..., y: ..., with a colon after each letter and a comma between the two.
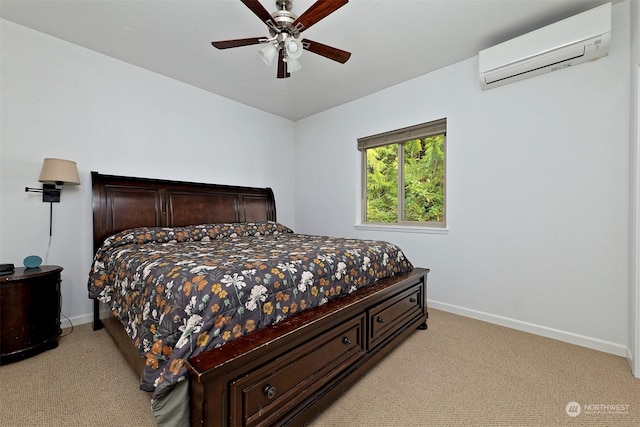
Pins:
x: 391, y: 41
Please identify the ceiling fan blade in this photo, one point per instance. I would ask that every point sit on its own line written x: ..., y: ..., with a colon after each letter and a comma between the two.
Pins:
x: 257, y: 8
x: 336, y: 54
x: 282, y: 66
x: 317, y: 11
x: 226, y: 44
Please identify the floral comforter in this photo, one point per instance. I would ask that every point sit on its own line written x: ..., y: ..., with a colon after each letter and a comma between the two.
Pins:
x: 181, y: 291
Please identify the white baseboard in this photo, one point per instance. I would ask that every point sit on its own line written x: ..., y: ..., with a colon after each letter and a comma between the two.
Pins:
x: 568, y: 337
x: 66, y: 322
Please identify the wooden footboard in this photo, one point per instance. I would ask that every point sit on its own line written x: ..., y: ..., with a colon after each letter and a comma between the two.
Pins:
x: 284, y: 374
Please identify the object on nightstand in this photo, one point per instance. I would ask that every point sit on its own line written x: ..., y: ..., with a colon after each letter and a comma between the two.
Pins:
x: 32, y: 261
x: 6, y: 269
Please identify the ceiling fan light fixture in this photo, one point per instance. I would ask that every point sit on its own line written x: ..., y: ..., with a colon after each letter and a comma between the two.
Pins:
x: 267, y: 53
x: 293, y: 48
x: 293, y: 64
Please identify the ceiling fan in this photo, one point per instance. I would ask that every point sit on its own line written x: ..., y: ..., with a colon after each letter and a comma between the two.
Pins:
x: 284, y: 30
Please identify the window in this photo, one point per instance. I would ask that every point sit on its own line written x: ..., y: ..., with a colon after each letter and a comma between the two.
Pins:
x: 403, y: 176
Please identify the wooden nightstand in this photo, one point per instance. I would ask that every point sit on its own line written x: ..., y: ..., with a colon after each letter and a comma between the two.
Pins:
x: 29, y: 312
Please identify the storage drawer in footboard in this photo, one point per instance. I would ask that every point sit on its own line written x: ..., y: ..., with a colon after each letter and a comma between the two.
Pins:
x: 270, y: 392
x: 390, y: 316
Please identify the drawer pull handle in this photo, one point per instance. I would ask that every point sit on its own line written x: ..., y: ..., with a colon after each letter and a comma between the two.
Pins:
x: 346, y: 341
x: 269, y: 391
x: 413, y: 300
x: 380, y: 319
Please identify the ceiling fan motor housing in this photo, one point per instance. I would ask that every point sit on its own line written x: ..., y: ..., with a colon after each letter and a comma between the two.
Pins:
x: 284, y: 19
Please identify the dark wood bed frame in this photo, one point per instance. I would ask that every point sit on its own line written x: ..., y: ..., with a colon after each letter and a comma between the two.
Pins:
x: 287, y: 372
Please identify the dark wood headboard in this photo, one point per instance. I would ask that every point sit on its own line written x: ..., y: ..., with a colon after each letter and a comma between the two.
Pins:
x: 121, y: 202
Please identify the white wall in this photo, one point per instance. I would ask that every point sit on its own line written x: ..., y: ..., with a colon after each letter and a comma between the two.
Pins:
x: 61, y: 100
x: 538, y: 192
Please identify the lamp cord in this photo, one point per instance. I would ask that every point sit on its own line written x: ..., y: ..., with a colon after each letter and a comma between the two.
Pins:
x: 46, y: 261
x: 68, y: 320
x: 46, y: 257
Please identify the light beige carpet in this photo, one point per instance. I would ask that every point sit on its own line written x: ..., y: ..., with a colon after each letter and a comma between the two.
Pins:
x: 460, y: 372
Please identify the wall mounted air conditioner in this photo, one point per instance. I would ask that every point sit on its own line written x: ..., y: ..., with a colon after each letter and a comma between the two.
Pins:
x: 574, y: 40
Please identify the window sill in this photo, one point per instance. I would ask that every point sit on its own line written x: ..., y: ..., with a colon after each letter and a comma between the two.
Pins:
x: 402, y: 228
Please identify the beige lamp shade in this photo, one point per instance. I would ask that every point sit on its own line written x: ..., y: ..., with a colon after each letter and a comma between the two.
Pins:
x: 59, y: 170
